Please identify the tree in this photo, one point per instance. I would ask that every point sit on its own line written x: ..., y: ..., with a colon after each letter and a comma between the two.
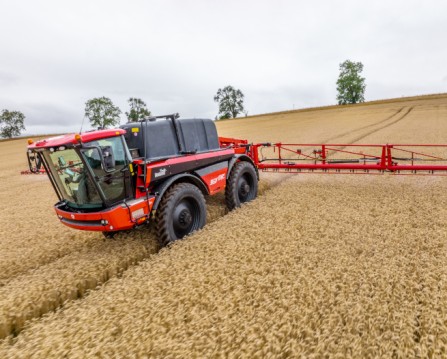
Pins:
x: 231, y: 102
x: 11, y: 123
x: 350, y: 85
x: 138, y: 110
x: 102, y: 112
x: 224, y: 116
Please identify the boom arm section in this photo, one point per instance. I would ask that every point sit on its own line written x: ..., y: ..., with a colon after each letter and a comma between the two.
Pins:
x: 344, y: 158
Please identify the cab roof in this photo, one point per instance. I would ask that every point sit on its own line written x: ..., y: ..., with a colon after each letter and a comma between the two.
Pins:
x: 70, y: 139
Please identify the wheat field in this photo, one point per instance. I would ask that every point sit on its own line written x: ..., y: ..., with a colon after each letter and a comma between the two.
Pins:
x: 318, y: 266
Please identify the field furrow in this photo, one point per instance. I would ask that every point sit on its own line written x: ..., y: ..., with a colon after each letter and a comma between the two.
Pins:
x: 390, y: 122
x: 30, y: 232
x: 362, y: 128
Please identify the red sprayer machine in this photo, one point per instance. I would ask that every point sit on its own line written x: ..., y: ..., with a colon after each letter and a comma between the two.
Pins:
x: 160, y: 169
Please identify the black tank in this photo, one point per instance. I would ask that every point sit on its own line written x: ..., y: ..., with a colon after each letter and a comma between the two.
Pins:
x: 169, y: 137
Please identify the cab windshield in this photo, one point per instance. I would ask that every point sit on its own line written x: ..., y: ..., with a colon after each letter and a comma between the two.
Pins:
x: 72, y: 179
x: 104, y: 161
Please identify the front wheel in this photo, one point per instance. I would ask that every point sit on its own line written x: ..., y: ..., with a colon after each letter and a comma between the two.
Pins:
x: 242, y: 185
x: 182, y: 211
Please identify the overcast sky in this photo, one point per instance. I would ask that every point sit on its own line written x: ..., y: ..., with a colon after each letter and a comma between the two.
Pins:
x: 55, y: 55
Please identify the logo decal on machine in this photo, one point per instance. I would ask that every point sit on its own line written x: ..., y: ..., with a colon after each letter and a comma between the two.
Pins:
x: 160, y: 173
x: 219, y: 178
x: 138, y: 213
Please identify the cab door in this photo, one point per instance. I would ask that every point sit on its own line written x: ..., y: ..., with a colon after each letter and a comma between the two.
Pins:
x: 109, y: 165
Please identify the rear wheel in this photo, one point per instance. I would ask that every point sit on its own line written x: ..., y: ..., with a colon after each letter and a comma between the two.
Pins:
x: 182, y: 211
x: 242, y: 185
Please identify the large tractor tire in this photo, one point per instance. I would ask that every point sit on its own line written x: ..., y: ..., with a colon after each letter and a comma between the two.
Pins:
x: 242, y: 185
x: 182, y: 211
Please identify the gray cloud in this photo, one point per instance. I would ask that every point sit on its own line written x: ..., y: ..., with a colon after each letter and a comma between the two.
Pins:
x: 176, y: 54
x: 7, y: 79
x: 48, y: 115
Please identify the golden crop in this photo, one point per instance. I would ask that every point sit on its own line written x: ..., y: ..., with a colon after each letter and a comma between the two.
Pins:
x: 318, y: 265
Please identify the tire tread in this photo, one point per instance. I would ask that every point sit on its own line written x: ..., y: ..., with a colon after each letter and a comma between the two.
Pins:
x: 231, y: 196
x: 162, y: 214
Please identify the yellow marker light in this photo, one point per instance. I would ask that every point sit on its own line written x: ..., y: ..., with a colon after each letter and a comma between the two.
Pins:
x: 117, y: 133
x: 141, y: 220
x: 30, y: 141
x: 78, y: 137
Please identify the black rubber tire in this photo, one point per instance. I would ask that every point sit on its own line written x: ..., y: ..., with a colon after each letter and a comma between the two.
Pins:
x: 242, y: 185
x: 182, y: 211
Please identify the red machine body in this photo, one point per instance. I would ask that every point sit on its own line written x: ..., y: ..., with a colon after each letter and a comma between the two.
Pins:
x: 104, y: 184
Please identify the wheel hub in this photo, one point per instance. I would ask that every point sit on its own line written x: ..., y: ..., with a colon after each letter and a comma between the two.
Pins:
x: 185, y: 218
x: 244, y: 188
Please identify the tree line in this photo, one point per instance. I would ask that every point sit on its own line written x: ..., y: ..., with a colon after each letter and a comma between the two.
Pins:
x: 102, y: 113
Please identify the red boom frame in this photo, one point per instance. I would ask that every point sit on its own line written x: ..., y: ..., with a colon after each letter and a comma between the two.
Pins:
x: 343, y: 158
x: 350, y: 158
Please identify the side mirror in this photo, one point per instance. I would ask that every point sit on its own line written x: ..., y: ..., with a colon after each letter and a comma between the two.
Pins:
x: 108, y: 158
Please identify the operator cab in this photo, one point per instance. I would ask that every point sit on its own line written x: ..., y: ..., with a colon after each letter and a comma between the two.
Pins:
x: 88, y: 175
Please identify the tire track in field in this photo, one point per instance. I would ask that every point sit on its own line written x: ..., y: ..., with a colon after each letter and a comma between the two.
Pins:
x: 361, y: 137
x: 35, y: 237
x: 400, y: 118
x: 15, y: 264
x: 363, y: 127
x: 50, y: 286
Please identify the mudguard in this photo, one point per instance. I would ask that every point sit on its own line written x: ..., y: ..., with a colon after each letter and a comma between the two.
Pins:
x: 160, y: 190
x: 241, y: 157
